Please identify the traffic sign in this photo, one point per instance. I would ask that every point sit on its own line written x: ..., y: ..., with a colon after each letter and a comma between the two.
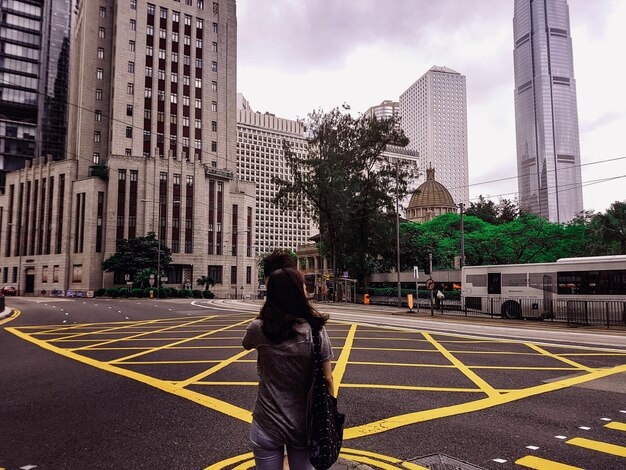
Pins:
x: 430, y: 284
x: 151, y: 276
x: 163, y: 278
x: 416, y: 273
x: 151, y: 282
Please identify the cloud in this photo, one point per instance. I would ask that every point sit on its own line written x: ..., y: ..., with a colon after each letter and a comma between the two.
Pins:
x: 304, y: 35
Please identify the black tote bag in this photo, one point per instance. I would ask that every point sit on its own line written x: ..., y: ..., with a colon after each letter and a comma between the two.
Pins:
x: 325, y: 421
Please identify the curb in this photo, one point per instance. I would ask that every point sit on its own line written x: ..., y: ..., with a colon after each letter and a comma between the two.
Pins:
x: 6, y: 313
x: 350, y: 464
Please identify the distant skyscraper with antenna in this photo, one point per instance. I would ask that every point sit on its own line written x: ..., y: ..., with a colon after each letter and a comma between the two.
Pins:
x: 546, y: 116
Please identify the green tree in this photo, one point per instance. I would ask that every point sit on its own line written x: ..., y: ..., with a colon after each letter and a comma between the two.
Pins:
x: 134, y: 255
x: 503, y: 212
x: 142, y: 277
x: 205, y: 281
x: 347, y: 185
x: 610, y: 228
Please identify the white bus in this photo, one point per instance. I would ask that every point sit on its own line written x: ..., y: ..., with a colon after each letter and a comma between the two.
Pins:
x: 583, y: 290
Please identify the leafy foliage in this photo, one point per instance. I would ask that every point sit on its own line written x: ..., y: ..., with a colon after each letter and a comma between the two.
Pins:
x: 136, y: 255
x: 348, y: 186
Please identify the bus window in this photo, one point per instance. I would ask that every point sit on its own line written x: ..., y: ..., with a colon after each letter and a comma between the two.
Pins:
x: 493, y: 283
x: 570, y: 283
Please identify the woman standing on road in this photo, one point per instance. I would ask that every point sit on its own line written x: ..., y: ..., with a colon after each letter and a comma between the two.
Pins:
x: 282, y: 336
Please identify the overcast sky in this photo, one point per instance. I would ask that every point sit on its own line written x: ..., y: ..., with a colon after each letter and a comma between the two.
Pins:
x: 298, y: 55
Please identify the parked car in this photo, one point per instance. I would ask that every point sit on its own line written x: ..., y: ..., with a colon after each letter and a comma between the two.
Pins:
x: 8, y: 290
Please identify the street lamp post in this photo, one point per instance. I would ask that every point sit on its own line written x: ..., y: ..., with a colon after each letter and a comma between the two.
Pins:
x: 18, y: 238
x: 158, y: 238
x: 236, y: 250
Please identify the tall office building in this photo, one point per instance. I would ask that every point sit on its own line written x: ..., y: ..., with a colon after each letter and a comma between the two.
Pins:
x: 34, y: 75
x: 151, y: 148
x: 385, y: 109
x: 260, y: 157
x: 546, y: 116
x: 434, y: 118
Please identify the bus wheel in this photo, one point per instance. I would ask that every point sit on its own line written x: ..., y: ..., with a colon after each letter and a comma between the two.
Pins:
x: 511, y: 310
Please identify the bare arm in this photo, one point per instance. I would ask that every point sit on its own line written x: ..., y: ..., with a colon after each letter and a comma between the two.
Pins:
x: 328, y: 375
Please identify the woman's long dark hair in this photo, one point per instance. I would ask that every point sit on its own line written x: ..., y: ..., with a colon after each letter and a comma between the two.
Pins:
x: 286, y: 305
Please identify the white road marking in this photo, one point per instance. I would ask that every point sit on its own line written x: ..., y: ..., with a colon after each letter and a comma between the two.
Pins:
x: 622, y: 411
x: 28, y: 467
x: 532, y: 447
x: 499, y: 460
x: 561, y: 437
x: 584, y: 428
x: 67, y: 313
x: 64, y: 321
x: 119, y: 311
x: 606, y: 419
x: 127, y: 318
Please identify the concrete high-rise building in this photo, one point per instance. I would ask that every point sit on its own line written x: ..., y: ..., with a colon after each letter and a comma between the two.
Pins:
x: 434, y: 118
x: 386, y: 109
x: 151, y: 148
x: 546, y: 116
x: 260, y: 157
x: 34, y: 61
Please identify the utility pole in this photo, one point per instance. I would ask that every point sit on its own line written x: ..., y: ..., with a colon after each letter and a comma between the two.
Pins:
x: 398, y: 235
x: 462, y: 263
x: 430, y: 264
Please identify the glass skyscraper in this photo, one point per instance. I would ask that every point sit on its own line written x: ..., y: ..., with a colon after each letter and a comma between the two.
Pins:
x: 34, y: 72
x: 546, y: 116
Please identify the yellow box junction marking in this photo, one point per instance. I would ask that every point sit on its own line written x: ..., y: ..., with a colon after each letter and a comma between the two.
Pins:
x: 484, y: 386
x: 538, y: 463
x: 340, y: 366
x: 612, y: 449
x: 197, y: 329
x: 559, y: 358
x: 616, y: 425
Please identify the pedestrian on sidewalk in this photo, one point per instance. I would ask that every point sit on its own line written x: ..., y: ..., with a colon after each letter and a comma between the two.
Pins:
x: 283, y: 337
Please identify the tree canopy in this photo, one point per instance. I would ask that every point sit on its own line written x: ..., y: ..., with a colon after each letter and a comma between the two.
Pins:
x: 135, y: 255
x: 348, y: 185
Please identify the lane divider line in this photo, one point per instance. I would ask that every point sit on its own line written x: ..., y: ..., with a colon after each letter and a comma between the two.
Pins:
x: 340, y: 366
x: 484, y: 386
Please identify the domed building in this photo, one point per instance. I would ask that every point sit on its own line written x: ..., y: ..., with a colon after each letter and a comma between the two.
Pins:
x: 430, y: 200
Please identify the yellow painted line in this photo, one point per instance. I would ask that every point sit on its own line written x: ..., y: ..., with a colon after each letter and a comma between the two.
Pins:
x: 213, y: 369
x: 530, y: 461
x: 231, y: 461
x: 16, y: 313
x: 374, y: 459
x: 451, y: 351
x: 204, y: 400
x: 340, y: 366
x: 558, y: 358
x: 245, y: 465
x: 138, y: 336
x: 375, y: 463
x: 106, y: 330
x: 616, y: 425
x: 202, y: 382
x: 484, y: 386
x: 612, y: 449
x: 152, y: 363
x: 133, y: 356
x: 400, y: 364
x: 527, y: 368
x: 594, y: 354
x: 411, y: 387
x: 427, y: 415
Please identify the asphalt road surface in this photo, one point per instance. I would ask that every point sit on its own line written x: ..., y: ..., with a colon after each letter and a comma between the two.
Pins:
x: 131, y: 384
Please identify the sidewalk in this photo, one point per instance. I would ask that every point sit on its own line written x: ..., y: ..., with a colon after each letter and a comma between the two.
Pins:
x: 7, y: 312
